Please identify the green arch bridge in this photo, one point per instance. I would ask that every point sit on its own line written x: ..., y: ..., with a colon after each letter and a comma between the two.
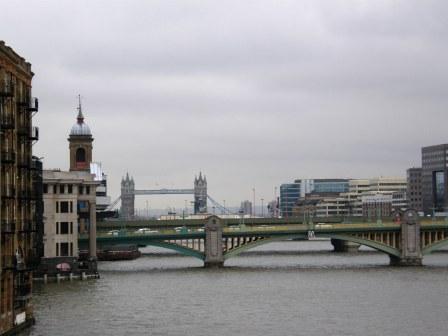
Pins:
x: 405, y: 241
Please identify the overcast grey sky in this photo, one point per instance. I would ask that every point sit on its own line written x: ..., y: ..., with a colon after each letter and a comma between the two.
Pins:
x: 253, y: 93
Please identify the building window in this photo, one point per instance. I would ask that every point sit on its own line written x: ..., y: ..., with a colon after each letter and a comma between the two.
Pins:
x: 70, y: 188
x: 71, y: 207
x: 57, y: 227
x: 54, y: 189
x: 64, y: 249
x: 439, y: 190
x: 57, y: 207
x: 45, y: 188
x: 71, y: 249
x: 80, y: 155
x: 71, y: 227
x: 81, y: 190
x: 61, y: 188
x: 57, y: 249
x: 64, y: 207
x: 83, y: 206
x: 88, y: 190
x: 64, y: 227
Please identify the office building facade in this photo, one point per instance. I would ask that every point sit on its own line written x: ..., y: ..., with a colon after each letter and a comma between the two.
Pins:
x: 376, y: 206
x: 414, y: 188
x: 69, y: 211
x: 289, y: 195
x: 19, y: 191
x: 293, y: 193
x: 434, y: 178
x: 246, y: 208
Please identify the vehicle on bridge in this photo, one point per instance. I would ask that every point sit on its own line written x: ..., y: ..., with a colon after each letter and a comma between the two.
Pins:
x: 146, y: 231
x: 181, y: 229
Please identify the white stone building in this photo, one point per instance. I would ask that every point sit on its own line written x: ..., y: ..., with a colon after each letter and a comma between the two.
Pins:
x: 69, y: 209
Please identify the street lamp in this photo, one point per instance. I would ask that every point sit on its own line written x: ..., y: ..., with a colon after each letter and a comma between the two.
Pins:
x: 262, y: 207
x: 253, y: 205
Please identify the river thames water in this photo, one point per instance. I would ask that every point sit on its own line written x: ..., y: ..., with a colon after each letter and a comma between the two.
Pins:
x: 285, y: 288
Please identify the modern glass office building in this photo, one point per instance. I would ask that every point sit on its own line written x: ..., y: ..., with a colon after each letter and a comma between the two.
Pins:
x: 320, y: 186
x: 289, y: 195
x: 434, y: 178
x: 292, y: 192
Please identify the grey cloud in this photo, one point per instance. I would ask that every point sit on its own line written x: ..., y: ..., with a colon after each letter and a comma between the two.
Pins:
x: 254, y: 93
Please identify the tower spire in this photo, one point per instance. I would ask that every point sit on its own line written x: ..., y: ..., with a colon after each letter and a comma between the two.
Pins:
x: 80, y: 115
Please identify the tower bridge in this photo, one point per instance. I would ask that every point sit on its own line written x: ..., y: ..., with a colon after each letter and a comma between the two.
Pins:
x: 128, y: 193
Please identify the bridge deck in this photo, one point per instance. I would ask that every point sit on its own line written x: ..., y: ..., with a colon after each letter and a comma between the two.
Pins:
x: 169, y: 232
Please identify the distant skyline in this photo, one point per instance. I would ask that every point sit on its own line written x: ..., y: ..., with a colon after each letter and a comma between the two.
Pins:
x: 253, y: 94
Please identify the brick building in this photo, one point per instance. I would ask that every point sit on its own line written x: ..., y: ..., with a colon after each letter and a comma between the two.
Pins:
x: 19, y: 179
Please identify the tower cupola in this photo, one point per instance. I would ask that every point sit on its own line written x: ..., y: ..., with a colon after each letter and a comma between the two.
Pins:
x: 80, y: 128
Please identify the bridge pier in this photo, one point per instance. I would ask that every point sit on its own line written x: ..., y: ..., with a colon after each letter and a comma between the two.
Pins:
x: 344, y: 246
x: 411, y: 254
x: 406, y: 261
x: 213, y: 243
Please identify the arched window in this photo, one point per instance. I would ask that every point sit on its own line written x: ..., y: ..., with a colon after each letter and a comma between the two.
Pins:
x: 80, y: 155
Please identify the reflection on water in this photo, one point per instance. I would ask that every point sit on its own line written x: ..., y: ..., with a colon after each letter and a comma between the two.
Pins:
x: 301, y: 289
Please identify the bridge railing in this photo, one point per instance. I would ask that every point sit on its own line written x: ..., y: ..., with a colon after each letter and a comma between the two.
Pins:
x: 183, y: 227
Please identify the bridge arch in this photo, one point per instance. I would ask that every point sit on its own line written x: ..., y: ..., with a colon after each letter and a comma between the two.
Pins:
x: 238, y: 250
x: 366, y: 242
x: 435, y: 246
x: 178, y: 248
x: 370, y: 243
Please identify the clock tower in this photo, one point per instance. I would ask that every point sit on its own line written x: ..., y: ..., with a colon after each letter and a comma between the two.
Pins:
x: 80, y: 144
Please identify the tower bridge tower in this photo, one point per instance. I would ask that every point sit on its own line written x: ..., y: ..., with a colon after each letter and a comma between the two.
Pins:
x: 127, y: 197
x: 200, y: 194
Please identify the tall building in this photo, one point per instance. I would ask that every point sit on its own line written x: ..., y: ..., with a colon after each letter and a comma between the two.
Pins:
x: 70, y: 207
x: 246, y: 208
x: 289, y: 195
x: 19, y: 191
x: 414, y: 190
x: 434, y: 178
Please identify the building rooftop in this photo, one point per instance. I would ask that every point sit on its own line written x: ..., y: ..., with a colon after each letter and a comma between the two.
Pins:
x: 75, y: 176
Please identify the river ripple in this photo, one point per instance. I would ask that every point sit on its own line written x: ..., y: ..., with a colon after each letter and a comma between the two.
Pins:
x: 300, y: 289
